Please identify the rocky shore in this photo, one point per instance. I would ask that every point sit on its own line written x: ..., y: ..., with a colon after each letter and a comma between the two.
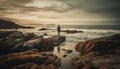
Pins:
x: 101, y: 53
x: 28, y: 51
x: 5, y: 24
x: 24, y: 50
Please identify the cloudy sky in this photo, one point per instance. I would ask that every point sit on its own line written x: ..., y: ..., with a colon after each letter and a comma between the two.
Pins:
x: 61, y: 11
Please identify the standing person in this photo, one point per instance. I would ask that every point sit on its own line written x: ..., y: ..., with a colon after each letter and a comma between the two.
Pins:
x: 58, y: 33
x: 58, y: 30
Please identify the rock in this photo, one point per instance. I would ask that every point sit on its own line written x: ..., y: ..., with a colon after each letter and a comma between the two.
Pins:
x: 28, y: 36
x: 27, y: 66
x: 51, y: 59
x: 42, y: 29
x: 103, y: 45
x: 76, y: 63
x: 117, y: 51
x: 32, y: 58
x: 16, y: 41
x: 4, y: 34
x: 14, y: 59
x: 64, y: 55
x: 72, y: 31
x: 50, y: 66
x: 16, y: 34
x: 5, y: 24
x: 67, y: 51
x: 40, y: 44
x: 58, y: 40
x: 45, y: 34
x: 106, y: 67
x: 57, y: 62
x: 88, y: 65
x: 35, y: 66
x: 106, y: 61
x: 100, y: 53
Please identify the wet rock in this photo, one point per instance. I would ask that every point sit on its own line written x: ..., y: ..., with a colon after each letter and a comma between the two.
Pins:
x: 42, y: 29
x: 27, y: 66
x: 19, y: 58
x: 16, y: 41
x: 35, y: 66
x: 40, y: 44
x: 88, y: 65
x: 50, y: 66
x: 57, y: 62
x: 76, y: 63
x: 101, y: 53
x: 28, y: 36
x: 58, y: 40
x: 117, y: 51
x: 4, y: 34
x: 45, y: 34
x: 16, y: 34
x: 103, y: 45
x: 64, y: 55
x: 67, y: 51
x: 32, y: 58
x: 51, y: 58
x: 106, y: 67
x: 72, y: 31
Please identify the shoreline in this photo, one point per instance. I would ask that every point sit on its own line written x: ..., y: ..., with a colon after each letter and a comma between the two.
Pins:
x: 35, y: 39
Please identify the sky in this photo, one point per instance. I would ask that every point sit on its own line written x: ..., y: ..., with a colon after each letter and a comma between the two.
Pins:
x: 61, y: 11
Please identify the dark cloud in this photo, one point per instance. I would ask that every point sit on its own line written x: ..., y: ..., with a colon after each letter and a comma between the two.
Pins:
x: 19, y: 6
x: 108, y: 8
x: 10, y: 6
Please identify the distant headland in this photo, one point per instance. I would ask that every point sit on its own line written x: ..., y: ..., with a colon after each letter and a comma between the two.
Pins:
x: 5, y: 24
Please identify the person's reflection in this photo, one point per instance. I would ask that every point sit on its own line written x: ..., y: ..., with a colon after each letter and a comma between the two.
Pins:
x: 58, y: 49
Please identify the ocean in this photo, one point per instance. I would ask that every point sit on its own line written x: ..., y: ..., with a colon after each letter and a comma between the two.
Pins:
x: 89, y: 32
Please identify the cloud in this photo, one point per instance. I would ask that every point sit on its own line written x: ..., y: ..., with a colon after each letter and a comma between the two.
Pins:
x: 10, y: 6
x: 26, y: 6
x: 18, y: 8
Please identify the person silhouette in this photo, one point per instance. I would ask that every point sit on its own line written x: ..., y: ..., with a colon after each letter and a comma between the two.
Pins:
x: 58, y: 33
x: 58, y: 30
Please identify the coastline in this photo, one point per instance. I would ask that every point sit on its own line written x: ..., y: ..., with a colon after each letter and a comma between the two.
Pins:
x: 69, y: 44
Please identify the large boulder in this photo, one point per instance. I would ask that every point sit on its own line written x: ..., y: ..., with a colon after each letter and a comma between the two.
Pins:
x: 16, y: 41
x: 13, y: 41
x: 40, y: 44
x: 28, y: 59
x: 100, y: 53
x: 103, y: 45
